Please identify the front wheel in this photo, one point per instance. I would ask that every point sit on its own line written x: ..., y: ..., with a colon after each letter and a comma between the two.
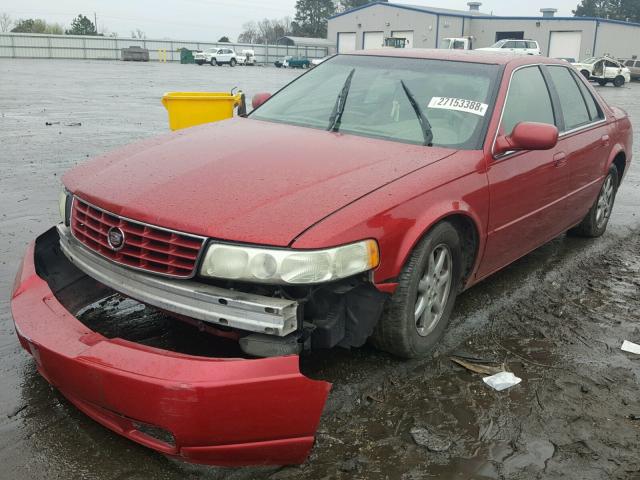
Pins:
x: 618, y: 81
x: 602, y: 82
x: 213, y: 62
x: 417, y: 314
x: 595, y: 222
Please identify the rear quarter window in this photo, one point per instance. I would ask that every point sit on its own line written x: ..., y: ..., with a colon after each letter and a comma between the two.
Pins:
x: 595, y: 112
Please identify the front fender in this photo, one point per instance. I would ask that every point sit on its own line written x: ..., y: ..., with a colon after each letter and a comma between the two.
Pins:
x: 399, y: 214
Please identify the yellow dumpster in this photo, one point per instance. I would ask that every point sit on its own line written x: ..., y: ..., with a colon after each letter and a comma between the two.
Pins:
x: 187, y: 109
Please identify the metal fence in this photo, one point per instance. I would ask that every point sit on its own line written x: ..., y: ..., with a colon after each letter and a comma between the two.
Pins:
x: 33, y: 45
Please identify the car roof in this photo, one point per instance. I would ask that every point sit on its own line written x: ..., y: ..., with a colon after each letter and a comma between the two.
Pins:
x: 470, y: 56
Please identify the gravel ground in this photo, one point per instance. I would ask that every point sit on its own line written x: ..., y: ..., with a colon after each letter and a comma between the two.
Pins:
x: 556, y: 318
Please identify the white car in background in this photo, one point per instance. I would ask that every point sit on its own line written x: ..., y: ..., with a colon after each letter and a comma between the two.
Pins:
x: 217, y: 56
x: 202, y: 57
x: 522, y: 47
x: 317, y: 61
x: 247, y: 58
x: 604, y: 70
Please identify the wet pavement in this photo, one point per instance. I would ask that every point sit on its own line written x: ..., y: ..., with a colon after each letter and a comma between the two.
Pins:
x: 556, y: 318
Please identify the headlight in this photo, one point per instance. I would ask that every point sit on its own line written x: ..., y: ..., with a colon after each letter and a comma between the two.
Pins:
x: 63, y: 200
x: 270, y: 265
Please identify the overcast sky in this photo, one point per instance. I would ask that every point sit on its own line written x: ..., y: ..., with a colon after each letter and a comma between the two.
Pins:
x: 210, y: 19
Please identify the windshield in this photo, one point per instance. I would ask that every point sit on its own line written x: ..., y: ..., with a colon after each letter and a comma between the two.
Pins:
x: 589, y: 60
x: 446, y: 43
x: 455, y: 98
x: 499, y: 43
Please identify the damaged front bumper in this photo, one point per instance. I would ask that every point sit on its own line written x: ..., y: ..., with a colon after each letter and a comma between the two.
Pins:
x: 215, y: 411
x: 217, y: 306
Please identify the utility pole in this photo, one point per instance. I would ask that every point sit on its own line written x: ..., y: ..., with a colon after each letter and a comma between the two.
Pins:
x: 95, y: 21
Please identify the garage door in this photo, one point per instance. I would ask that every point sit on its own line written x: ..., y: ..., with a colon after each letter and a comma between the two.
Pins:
x: 565, y: 45
x: 346, y: 42
x: 408, y: 34
x: 373, y: 40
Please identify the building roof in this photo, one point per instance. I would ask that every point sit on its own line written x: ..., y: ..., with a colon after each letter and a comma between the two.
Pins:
x: 477, y: 14
x: 419, y: 8
x: 309, y: 41
x: 441, y: 11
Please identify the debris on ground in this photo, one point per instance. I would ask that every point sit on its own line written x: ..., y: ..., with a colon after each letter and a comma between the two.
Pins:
x: 48, y: 124
x: 432, y: 441
x: 353, y: 464
x: 478, y: 366
x: 502, y: 381
x: 630, y: 347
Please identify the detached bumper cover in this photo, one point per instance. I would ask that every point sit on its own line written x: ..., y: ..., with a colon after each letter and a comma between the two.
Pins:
x: 216, y: 411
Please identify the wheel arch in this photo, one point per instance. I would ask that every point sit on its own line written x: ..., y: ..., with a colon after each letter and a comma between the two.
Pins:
x: 467, y: 223
x: 618, y: 157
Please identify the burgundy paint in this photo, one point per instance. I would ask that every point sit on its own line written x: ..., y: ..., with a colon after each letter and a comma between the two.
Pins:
x: 220, y: 411
x: 245, y: 180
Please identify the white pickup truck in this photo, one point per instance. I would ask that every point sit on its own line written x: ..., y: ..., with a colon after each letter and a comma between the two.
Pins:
x: 456, y: 43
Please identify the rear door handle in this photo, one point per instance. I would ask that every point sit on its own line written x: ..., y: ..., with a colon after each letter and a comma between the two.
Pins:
x: 560, y: 159
x: 605, y: 140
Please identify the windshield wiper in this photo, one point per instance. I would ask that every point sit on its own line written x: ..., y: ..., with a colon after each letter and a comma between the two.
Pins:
x: 427, y: 133
x: 338, y: 109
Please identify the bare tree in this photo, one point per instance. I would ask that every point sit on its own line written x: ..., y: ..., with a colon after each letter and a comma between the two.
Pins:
x: 249, y: 33
x: 6, y: 22
x: 137, y: 33
x: 265, y: 31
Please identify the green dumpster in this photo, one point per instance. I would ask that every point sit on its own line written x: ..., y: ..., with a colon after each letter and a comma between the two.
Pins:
x: 186, y: 56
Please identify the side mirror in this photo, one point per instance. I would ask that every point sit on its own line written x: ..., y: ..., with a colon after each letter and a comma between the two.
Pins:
x: 259, y: 98
x: 527, y: 136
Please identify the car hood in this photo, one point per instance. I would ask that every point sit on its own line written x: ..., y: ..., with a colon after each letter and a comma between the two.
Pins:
x: 244, y: 180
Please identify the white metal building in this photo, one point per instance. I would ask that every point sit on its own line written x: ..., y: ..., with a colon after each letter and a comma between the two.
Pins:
x: 425, y: 27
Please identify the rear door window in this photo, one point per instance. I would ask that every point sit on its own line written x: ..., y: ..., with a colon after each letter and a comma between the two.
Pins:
x: 510, y: 44
x: 574, y: 107
x: 594, y: 110
x: 528, y: 100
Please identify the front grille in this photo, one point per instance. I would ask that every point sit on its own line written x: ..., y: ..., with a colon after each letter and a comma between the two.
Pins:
x: 145, y: 247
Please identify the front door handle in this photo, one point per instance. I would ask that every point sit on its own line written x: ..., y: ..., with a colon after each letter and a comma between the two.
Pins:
x: 605, y: 140
x: 560, y: 159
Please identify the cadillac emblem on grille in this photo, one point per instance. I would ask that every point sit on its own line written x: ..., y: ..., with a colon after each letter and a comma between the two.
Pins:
x: 115, y: 238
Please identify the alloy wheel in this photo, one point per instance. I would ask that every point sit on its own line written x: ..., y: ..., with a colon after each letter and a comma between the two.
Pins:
x: 433, y: 290
x: 605, y: 202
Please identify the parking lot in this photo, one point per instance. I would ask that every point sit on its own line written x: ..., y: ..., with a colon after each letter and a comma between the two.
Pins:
x: 556, y: 318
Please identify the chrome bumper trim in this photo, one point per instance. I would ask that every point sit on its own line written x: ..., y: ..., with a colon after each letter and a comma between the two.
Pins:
x: 218, y: 306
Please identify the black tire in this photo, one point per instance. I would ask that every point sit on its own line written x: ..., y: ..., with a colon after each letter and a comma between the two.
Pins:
x: 199, y: 63
x: 397, y: 331
x: 213, y: 62
x: 618, y: 81
x: 585, y: 74
x: 233, y: 62
x: 593, y: 225
x: 602, y: 82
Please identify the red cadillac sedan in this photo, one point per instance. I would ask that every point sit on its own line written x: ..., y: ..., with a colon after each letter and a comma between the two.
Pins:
x: 352, y: 205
